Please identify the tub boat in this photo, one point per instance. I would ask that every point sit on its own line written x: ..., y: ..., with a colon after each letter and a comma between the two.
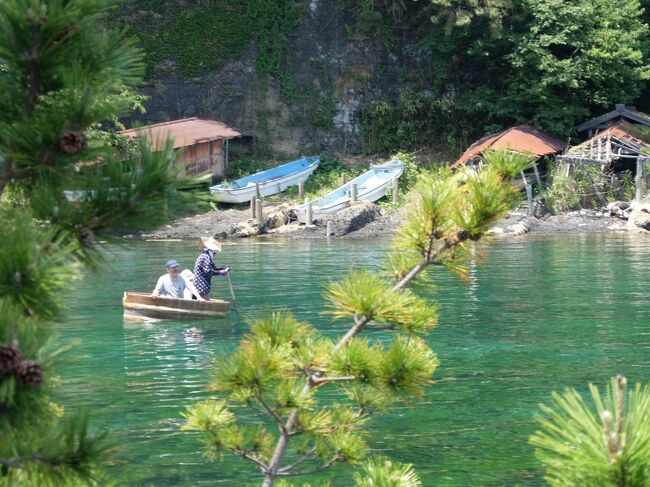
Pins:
x: 145, y: 307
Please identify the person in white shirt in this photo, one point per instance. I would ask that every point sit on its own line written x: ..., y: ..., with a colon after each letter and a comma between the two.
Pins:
x: 190, y: 290
x: 170, y: 285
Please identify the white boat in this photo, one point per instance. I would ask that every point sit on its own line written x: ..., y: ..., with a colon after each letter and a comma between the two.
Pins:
x: 266, y: 183
x: 371, y: 186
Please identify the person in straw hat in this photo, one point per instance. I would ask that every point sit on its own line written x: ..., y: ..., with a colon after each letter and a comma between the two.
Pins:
x: 204, y: 268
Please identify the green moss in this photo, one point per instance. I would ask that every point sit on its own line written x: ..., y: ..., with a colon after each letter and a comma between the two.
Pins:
x: 199, y: 38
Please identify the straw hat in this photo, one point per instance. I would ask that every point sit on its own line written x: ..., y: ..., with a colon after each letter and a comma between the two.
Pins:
x: 211, y: 243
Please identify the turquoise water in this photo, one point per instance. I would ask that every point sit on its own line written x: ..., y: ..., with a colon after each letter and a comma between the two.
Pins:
x: 540, y: 314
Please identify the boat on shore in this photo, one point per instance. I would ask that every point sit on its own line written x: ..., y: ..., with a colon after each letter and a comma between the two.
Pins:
x: 266, y: 183
x: 371, y: 186
x: 145, y: 307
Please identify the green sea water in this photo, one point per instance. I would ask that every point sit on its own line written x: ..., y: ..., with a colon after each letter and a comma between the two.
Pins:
x: 539, y: 314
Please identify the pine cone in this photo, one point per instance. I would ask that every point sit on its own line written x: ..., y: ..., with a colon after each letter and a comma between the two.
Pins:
x: 30, y: 374
x: 10, y: 359
x: 72, y: 142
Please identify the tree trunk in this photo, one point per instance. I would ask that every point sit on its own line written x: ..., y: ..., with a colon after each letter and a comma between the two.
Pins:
x: 280, y: 449
x: 5, y: 174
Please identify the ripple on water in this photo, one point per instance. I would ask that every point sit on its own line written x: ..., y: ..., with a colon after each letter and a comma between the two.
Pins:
x: 538, y: 314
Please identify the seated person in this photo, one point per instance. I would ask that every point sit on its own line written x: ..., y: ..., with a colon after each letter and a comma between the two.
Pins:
x: 190, y: 290
x: 170, y: 285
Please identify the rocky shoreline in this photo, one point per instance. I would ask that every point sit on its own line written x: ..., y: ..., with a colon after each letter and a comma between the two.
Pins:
x: 366, y: 220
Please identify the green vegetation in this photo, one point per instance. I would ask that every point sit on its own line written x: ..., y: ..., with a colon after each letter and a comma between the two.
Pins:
x: 608, y: 447
x: 467, y: 67
x: 585, y: 186
x: 194, y: 39
x: 61, y: 180
x: 578, y: 58
x: 282, y: 364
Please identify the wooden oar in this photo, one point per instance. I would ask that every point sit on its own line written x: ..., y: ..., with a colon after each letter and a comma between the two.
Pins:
x: 232, y: 293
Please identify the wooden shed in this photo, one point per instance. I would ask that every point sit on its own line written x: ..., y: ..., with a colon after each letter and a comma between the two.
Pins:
x: 202, y: 145
x: 525, y: 139
x: 622, y: 146
x: 521, y: 138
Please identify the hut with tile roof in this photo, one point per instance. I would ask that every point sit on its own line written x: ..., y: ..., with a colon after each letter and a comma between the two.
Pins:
x: 202, y: 145
x: 525, y: 139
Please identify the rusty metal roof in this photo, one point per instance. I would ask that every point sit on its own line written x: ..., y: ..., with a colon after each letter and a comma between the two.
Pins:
x: 186, y: 132
x: 522, y: 138
x: 626, y: 131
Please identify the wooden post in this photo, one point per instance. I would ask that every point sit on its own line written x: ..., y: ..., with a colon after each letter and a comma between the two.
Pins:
x: 600, y: 149
x: 569, y: 169
x: 537, y: 178
x: 328, y: 232
x: 260, y: 216
x: 638, y: 180
x: 344, y: 178
x: 353, y: 192
x: 257, y: 190
x: 529, y: 195
x: 301, y: 189
x: 308, y: 219
x: 523, y: 176
x: 395, y: 189
x: 253, y: 206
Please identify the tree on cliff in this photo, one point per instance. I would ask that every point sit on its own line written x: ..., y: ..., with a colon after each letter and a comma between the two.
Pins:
x: 61, y: 74
x: 282, y: 364
x: 575, y: 59
x: 550, y: 62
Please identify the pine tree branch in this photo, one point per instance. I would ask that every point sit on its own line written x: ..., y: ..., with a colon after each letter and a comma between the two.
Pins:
x: 325, y: 466
x: 17, y: 461
x: 310, y: 455
x: 316, y: 380
x: 359, y: 324
x: 248, y: 456
x: 33, y: 82
x: 9, y: 174
x: 273, y: 414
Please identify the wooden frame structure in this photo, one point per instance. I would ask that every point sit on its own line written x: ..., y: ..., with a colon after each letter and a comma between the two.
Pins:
x: 621, y: 141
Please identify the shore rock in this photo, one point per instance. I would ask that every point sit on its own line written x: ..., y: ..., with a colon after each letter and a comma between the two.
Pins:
x: 639, y: 219
x: 366, y: 220
x: 353, y: 218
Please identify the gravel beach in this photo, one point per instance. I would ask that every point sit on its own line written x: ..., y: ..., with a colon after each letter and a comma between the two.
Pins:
x: 367, y: 222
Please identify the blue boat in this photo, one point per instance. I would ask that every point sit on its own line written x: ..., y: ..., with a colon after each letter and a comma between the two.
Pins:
x: 371, y: 186
x: 267, y: 183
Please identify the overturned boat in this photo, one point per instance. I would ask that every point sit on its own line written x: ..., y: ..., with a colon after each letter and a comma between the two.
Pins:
x: 371, y: 186
x: 266, y: 183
